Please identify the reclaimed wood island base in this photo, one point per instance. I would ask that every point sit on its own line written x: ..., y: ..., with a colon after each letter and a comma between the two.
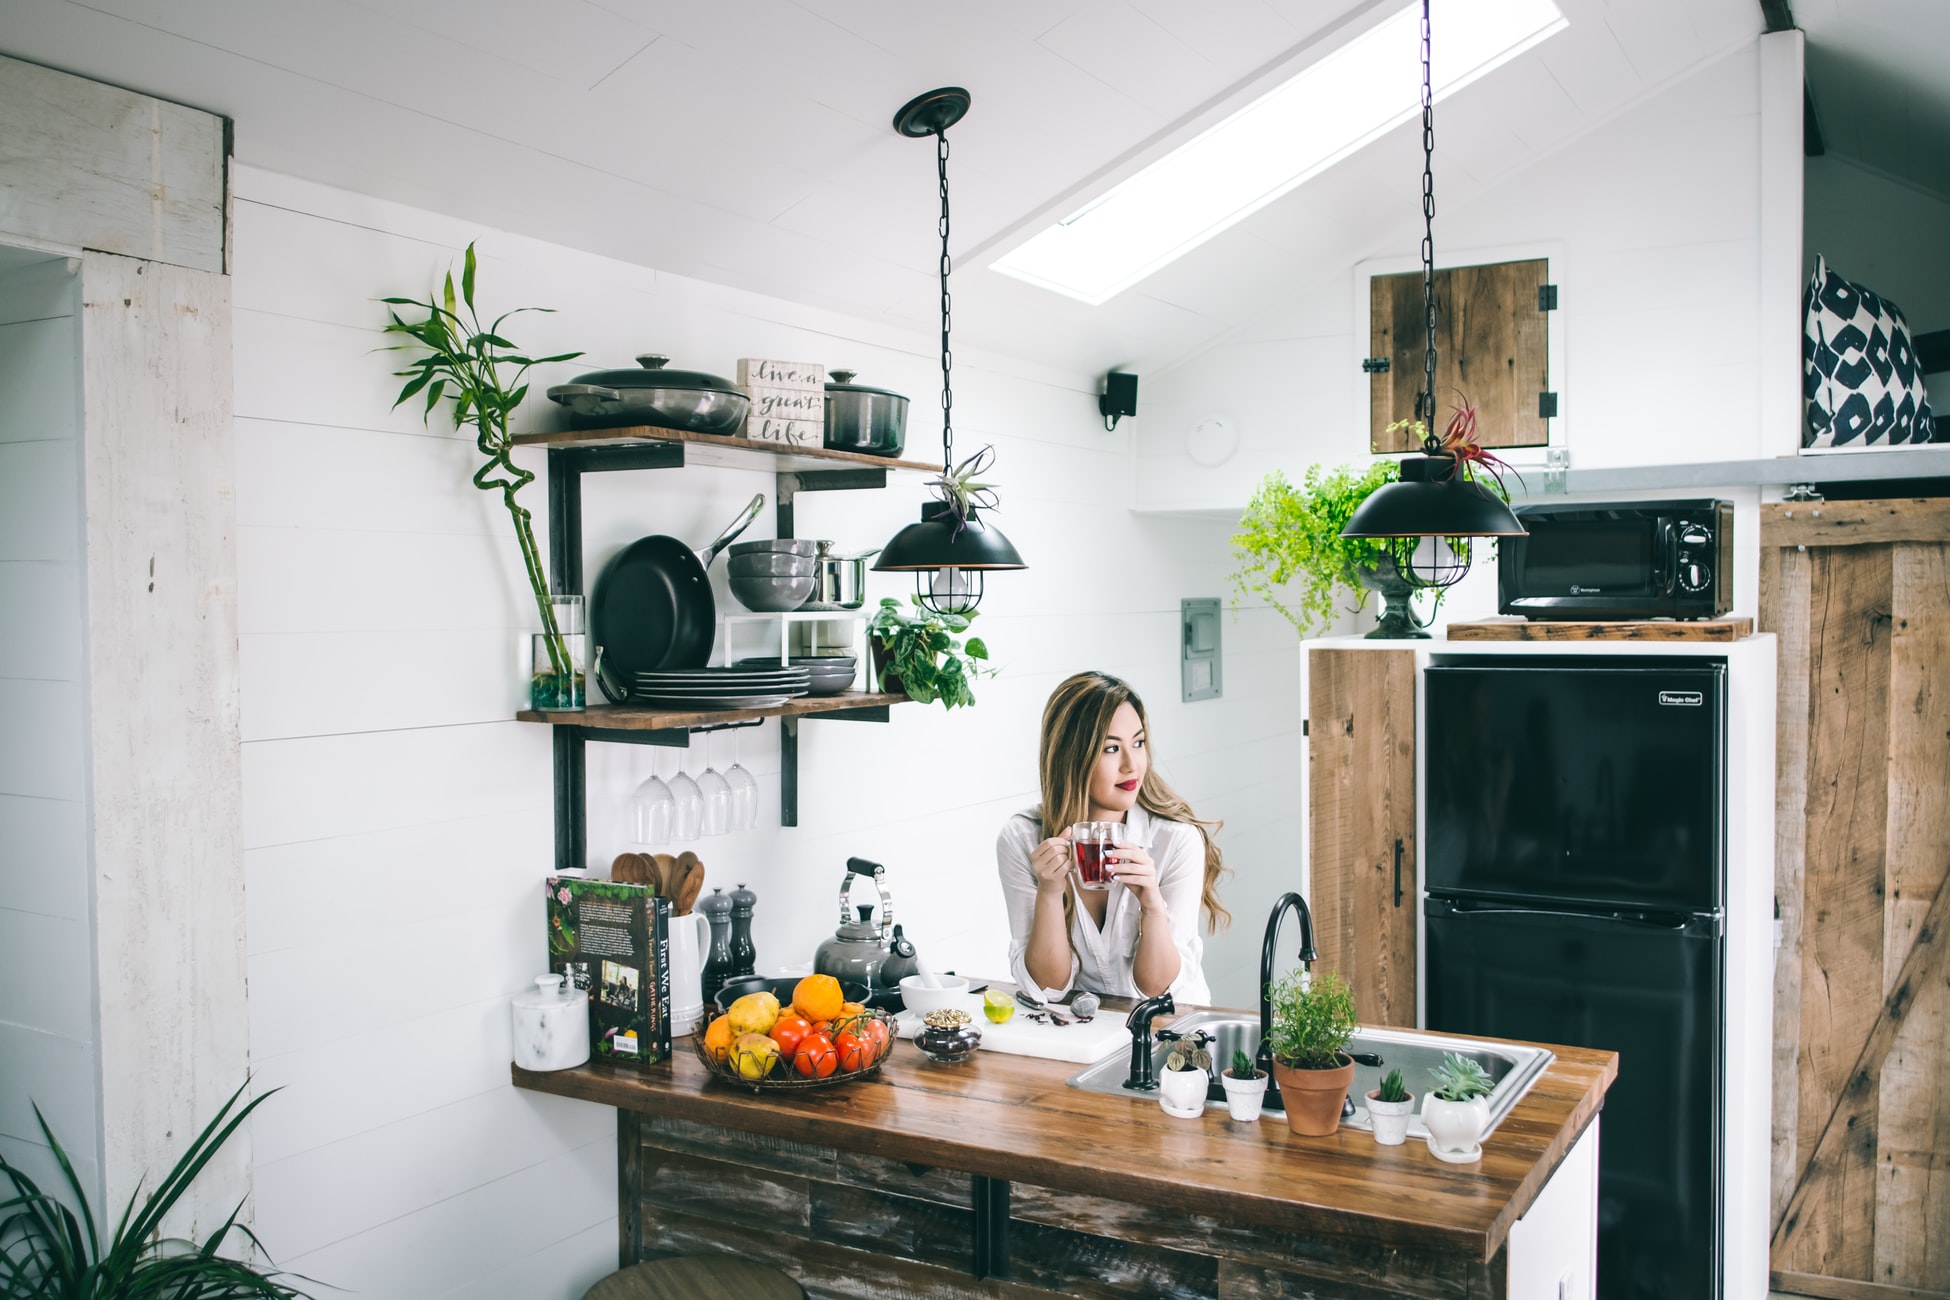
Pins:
x: 994, y: 1179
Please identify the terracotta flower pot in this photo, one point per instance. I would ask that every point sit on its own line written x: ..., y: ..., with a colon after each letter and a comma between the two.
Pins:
x: 1313, y: 1097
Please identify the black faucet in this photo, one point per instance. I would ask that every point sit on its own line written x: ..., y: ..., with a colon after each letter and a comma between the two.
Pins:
x: 1307, y: 958
x: 1139, y: 1024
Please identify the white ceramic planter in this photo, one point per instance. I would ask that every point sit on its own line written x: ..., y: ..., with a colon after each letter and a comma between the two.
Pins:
x: 1389, y: 1119
x: 1456, y: 1128
x: 1244, y: 1097
x: 1182, y: 1092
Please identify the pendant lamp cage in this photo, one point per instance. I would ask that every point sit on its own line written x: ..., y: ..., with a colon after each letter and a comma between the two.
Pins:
x: 951, y: 549
x: 1429, y: 520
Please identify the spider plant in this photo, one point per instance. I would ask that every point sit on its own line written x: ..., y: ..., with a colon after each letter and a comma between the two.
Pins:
x: 46, y: 1253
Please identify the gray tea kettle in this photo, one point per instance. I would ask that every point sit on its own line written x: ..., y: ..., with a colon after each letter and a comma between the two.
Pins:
x: 877, y: 955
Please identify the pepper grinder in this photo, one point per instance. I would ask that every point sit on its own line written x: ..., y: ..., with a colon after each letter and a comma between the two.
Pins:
x: 717, y: 966
x: 744, y: 957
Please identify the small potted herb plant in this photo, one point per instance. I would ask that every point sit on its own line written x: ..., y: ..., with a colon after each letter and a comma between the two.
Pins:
x: 1183, y: 1082
x: 1313, y: 1019
x: 1245, y: 1086
x: 1389, y: 1108
x: 1458, y: 1109
x: 919, y: 652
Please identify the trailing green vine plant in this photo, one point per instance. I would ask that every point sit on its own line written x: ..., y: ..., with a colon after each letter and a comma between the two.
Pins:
x: 919, y: 653
x: 1293, y: 534
x: 482, y: 373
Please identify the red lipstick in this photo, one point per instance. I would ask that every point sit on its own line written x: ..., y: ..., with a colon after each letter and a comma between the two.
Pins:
x: 1128, y: 785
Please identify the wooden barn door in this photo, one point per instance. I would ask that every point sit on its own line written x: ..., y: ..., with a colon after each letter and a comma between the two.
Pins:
x: 1859, y: 592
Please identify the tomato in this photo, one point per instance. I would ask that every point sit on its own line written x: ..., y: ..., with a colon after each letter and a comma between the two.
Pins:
x: 855, y: 1049
x: 876, y: 1034
x: 816, y: 1057
x: 788, y: 1031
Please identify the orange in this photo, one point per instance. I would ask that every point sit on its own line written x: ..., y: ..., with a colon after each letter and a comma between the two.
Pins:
x: 717, y: 1039
x: 818, y: 997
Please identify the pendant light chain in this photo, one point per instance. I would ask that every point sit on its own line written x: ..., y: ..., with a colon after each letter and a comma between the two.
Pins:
x: 1425, y: 400
x: 947, y: 316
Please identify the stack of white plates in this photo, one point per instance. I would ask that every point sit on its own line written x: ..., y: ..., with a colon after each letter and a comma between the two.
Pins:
x: 721, y: 688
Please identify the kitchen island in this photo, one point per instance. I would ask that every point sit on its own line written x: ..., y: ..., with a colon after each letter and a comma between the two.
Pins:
x: 993, y: 1178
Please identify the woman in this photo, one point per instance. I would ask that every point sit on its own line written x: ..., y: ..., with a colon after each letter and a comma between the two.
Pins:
x: 1140, y: 938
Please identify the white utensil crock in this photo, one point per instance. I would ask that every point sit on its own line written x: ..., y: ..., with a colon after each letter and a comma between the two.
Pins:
x: 551, y: 1025
x: 690, y: 941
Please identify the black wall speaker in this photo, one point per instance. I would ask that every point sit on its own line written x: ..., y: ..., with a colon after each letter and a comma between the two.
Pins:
x: 1119, y: 399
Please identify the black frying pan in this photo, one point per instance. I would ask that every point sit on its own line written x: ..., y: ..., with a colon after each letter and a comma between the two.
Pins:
x: 653, y: 611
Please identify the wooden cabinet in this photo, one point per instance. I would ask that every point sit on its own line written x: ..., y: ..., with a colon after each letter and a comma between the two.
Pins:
x: 1491, y: 343
x: 1859, y: 593
x: 1361, y: 824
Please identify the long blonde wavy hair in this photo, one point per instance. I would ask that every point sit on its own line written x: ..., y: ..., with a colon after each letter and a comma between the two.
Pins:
x: 1075, y: 721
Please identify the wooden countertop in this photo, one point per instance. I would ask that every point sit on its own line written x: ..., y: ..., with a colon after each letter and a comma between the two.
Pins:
x: 1012, y: 1117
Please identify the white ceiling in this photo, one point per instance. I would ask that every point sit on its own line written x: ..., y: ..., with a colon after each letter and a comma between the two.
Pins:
x: 749, y: 143
x: 1879, y: 71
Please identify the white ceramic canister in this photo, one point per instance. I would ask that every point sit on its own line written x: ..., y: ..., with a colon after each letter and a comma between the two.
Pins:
x: 690, y: 944
x: 551, y: 1025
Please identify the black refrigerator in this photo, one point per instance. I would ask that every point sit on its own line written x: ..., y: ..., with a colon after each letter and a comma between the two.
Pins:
x: 1575, y: 866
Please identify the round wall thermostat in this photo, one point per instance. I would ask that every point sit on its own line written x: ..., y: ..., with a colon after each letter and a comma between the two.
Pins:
x: 1212, y: 441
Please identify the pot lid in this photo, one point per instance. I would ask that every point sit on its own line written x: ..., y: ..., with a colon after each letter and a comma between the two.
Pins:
x: 843, y: 383
x: 654, y: 375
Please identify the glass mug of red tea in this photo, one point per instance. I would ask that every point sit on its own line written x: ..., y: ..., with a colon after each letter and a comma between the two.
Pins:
x: 1093, y: 843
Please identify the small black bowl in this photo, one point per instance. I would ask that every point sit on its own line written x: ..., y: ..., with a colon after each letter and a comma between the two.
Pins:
x: 780, y: 989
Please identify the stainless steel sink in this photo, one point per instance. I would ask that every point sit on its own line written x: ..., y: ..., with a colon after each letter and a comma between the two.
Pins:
x: 1414, y: 1054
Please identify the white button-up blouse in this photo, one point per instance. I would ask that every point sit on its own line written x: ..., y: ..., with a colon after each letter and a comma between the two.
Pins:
x: 1101, y: 959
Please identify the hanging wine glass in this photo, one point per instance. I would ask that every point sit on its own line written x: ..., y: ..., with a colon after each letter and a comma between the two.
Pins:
x: 717, y: 795
x: 688, y: 817
x: 744, y: 790
x: 651, y: 808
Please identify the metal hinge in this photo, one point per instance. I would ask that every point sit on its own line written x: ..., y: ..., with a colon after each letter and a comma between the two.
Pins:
x: 1374, y: 365
x: 1546, y: 406
x: 1802, y: 492
x: 1557, y: 465
x: 1546, y: 297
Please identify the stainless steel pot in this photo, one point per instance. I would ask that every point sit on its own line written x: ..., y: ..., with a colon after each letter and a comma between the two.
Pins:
x: 859, y: 418
x: 689, y: 400
x: 839, y: 581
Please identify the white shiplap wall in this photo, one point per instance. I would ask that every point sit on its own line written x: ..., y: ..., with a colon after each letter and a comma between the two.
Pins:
x: 397, y: 822
x: 1653, y: 223
x: 48, y: 1044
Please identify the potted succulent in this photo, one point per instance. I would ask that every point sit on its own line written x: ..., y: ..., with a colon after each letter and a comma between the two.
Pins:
x: 1313, y: 1019
x: 1389, y: 1108
x: 918, y: 652
x: 1293, y: 534
x: 1458, y: 1109
x: 1245, y: 1086
x: 1187, y: 1075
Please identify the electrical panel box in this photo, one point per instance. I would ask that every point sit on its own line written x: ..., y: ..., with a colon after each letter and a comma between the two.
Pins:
x: 1201, y: 663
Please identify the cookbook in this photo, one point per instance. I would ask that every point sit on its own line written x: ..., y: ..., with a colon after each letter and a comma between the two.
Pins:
x: 613, y: 941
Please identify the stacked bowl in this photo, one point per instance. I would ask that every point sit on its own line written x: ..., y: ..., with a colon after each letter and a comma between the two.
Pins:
x: 828, y: 674
x: 772, y: 577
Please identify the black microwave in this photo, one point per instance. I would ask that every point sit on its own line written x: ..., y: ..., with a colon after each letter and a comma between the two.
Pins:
x: 1636, y: 559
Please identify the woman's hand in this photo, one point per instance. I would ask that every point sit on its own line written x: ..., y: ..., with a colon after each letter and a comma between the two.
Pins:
x: 1133, y: 868
x: 1050, y: 861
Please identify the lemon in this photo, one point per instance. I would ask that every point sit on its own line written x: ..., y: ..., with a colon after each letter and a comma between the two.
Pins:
x: 755, y: 1013
x: 998, y: 1006
x: 754, y: 1055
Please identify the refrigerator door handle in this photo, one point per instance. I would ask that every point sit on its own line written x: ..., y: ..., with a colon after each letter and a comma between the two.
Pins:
x: 1671, y: 921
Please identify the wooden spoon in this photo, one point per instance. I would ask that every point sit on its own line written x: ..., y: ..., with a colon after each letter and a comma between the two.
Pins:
x: 689, y: 882
x: 632, y: 869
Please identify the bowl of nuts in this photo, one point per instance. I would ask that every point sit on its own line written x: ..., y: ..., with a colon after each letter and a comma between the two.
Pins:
x: 948, y: 1037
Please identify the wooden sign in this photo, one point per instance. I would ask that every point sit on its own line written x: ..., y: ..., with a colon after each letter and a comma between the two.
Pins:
x: 757, y: 372
x: 788, y: 401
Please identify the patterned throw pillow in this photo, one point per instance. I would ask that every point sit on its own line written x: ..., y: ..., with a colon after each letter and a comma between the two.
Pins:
x: 1858, y: 368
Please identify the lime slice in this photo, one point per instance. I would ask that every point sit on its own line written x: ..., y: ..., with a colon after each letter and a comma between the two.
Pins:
x: 998, y: 1006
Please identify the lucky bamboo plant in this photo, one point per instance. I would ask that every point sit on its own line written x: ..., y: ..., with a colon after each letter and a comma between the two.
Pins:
x: 482, y: 372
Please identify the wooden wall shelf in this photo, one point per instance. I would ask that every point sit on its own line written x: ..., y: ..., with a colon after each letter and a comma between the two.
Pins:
x: 717, y: 449
x: 1516, y: 629
x: 626, y: 717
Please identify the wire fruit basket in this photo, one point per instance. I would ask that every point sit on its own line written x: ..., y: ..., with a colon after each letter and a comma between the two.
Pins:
x: 784, y: 1078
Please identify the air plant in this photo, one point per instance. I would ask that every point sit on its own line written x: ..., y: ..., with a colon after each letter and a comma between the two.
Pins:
x: 959, y: 490
x: 1459, y: 442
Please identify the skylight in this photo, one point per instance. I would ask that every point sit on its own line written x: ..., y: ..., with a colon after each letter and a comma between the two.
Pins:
x: 1334, y: 107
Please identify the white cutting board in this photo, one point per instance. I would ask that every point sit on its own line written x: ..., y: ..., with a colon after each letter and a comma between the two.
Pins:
x: 1083, y: 1043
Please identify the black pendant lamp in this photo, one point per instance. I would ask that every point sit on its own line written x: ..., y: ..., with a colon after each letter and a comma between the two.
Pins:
x: 1427, y: 519
x: 951, y: 548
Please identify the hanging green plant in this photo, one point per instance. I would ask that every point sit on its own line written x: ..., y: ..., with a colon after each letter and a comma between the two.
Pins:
x: 1293, y: 535
x: 920, y: 653
x: 481, y: 373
